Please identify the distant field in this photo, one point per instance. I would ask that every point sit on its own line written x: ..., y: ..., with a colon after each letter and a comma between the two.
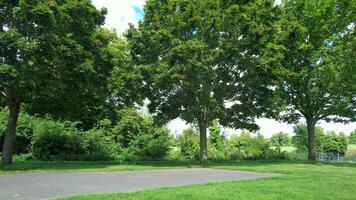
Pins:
x: 351, y: 146
x: 288, y: 148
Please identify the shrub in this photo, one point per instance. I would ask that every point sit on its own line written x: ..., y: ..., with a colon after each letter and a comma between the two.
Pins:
x: 98, y: 146
x: 24, y: 131
x: 54, y: 140
x: 325, y: 143
x: 333, y: 143
x: 300, y: 138
x: 352, y: 137
x: 247, y: 147
x: 188, y: 143
x: 153, y: 145
x: 130, y: 125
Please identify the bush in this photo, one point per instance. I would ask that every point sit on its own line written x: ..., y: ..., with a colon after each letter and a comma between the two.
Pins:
x: 130, y: 125
x: 217, y: 143
x: 188, y: 143
x: 352, y: 137
x: 24, y: 131
x: 247, y: 147
x: 300, y: 138
x: 62, y: 141
x: 324, y: 143
x: 153, y: 145
x: 98, y: 146
x: 333, y: 143
x: 53, y: 140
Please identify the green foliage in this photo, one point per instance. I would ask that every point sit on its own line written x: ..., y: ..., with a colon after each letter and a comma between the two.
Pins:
x: 153, y: 145
x: 188, y: 143
x: 246, y: 146
x: 279, y: 140
x: 352, y: 137
x: 312, y: 56
x: 53, y: 140
x: 312, y: 59
x: 24, y: 131
x: 130, y: 125
x: 216, y: 139
x: 333, y: 143
x: 300, y: 139
x: 325, y: 143
x: 190, y: 69
x: 47, y: 139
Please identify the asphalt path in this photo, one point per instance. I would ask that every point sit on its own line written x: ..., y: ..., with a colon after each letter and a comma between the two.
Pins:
x: 36, y: 186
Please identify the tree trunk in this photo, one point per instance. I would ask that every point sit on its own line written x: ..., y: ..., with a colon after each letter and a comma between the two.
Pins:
x: 203, y: 143
x: 311, y: 139
x: 8, y: 148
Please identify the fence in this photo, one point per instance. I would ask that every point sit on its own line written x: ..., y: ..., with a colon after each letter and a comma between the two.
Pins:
x: 335, y: 157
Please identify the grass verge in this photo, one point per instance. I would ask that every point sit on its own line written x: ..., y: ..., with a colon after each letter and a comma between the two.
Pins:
x: 301, y: 181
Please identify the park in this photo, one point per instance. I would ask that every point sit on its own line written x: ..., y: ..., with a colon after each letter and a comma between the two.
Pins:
x: 177, y: 99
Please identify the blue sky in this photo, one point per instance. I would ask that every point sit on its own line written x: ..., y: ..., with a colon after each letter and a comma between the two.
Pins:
x: 123, y: 12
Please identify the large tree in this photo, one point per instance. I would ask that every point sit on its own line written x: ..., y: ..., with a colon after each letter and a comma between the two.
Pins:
x: 48, y: 49
x: 313, y: 56
x: 193, y: 66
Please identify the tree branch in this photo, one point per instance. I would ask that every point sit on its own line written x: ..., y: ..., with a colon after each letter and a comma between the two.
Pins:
x: 4, y: 95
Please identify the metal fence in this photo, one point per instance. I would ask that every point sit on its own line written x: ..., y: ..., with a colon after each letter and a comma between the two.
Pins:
x: 335, y: 157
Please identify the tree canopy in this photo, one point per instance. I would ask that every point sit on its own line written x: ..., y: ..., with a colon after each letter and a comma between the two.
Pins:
x: 313, y: 60
x: 193, y: 63
x: 52, y: 58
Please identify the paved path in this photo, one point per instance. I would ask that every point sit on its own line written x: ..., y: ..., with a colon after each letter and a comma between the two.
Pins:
x: 35, y: 186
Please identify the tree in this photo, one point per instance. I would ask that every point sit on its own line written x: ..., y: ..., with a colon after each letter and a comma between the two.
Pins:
x: 334, y: 143
x: 280, y: 139
x: 313, y: 59
x: 188, y: 144
x: 352, y: 137
x: 47, y: 49
x: 300, y: 138
x: 89, y: 95
x: 215, y: 136
x: 190, y: 70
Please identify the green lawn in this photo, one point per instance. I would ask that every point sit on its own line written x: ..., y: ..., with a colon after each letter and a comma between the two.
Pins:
x: 55, y: 166
x: 288, y: 148
x: 298, y: 180
x: 351, y: 146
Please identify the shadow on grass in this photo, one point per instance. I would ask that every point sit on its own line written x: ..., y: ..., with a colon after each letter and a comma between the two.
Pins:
x: 50, y: 166
x: 44, y: 166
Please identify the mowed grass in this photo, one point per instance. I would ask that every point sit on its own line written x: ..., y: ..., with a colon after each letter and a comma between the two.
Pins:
x: 66, y: 166
x: 297, y: 181
x: 351, y: 147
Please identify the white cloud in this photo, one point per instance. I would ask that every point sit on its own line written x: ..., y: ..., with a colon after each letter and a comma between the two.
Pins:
x: 120, y: 13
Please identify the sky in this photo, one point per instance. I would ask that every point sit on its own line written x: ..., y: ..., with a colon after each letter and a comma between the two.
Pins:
x: 123, y: 12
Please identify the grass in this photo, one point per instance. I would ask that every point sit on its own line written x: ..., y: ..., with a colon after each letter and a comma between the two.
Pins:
x: 351, y: 146
x: 66, y: 166
x: 299, y: 181
x: 288, y: 148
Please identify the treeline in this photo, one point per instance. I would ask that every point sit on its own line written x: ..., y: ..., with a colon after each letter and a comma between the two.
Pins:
x: 230, y: 61
x: 326, y: 142
x: 136, y: 138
